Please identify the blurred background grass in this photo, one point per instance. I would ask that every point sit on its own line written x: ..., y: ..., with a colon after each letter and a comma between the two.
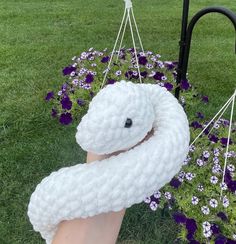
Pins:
x: 37, y: 39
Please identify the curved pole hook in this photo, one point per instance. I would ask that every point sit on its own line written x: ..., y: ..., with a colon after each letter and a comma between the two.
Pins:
x: 183, y: 64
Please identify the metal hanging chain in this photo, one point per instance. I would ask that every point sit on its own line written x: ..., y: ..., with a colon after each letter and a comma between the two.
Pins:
x: 126, y: 18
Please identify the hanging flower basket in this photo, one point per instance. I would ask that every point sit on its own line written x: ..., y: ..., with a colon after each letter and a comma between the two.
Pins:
x: 83, y: 79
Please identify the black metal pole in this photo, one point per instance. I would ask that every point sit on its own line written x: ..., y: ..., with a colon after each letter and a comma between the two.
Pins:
x: 228, y: 13
x: 182, y: 43
x: 186, y: 37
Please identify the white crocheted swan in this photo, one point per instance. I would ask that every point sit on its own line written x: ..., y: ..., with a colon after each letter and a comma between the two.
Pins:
x: 119, y: 117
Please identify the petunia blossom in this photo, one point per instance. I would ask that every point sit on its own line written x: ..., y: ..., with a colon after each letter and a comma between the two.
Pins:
x: 66, y: 103
x: 179, y: 218
x: 222, y: 216
x: 175, y: 183
x: 168, y: 86
x: 65, y: 118
x: 49, y: 96
x: 184, y: 84
x: 68, y: 70
x: 89, y: 78
x: 105, y: 59
x: 205, y: 99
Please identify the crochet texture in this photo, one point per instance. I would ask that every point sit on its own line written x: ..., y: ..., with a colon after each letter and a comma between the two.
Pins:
x: 120, y: 181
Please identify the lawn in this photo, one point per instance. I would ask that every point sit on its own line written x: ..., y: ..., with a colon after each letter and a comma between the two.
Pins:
x: 37, y: 39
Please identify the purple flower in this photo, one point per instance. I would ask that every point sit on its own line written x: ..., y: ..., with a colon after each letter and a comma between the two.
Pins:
x: 129, y: 74
x: 196, y: 125
x: 54, y: 112
x: 144, y: 74
x: 105, y: 59
x: 179, y: 218
x: 66, y: 103
x: 206, y: 131
x: 135, y: 75
x: 229, y: 241
x: 215, y: 229
x: 80, y: 102
x: 110, y: 81
x: 213, y: 138
x: 205, y: 99
x: 64, y: 87
x: 168, y: 86
x: 89, y: 78
x: 184, y: 84
x: 199, y: 115
x: 232, y: 185
x: 142, y: 60
x: 223, y: 216
x: 66, y: 118
x: 153, y: 205
x: 158, y: 76
x: 228, y: 177
x: 220, y: 239
x: 224, y: 140
x: 68, y: 70
x: 170, y: 65
x: 175, y: 183
x: 194, y: 242
x: 191, y: 225
x: 49, y: 96
x: 190, y: 236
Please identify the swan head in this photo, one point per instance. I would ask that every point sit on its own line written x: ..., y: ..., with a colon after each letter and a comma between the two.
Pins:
x: 118, y: 118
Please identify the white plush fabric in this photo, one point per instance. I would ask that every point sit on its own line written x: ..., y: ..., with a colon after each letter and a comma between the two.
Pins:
x: 120, y: 181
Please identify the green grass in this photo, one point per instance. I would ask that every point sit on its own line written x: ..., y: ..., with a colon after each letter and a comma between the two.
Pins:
x: 37, y: 39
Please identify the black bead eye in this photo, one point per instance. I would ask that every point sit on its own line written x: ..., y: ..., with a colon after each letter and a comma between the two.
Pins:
x: 128, y: 123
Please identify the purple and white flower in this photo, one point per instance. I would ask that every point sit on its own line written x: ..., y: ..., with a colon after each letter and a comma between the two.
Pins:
x: 206, y: 154
x: 149, y: 66
x: 213, y: 203
x: 206, y: 225
x: 157, y: 194
x: 200, y: 188
x: 214, y: 179
x: 216, y: 152
x: 147, y: 200
x: 192, y: 148
x: 118, y: 73
x: 153, y: 205
x: 195, y: 200
x: 168, y: 195
x: 163, y: 78
x: 231, y: 167
x: 205, y: 210
x: 207, y: 233
x: 189, y: 176
x: 200, y: 162
x: 186, y: 161
x: 225, y: 201
x: 216, y: 125
x: 216, y: 169
x: 216, y: 160
x: 223, y: 186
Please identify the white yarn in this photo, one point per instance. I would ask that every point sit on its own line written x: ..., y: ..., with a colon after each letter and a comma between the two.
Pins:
x: 120, y: 181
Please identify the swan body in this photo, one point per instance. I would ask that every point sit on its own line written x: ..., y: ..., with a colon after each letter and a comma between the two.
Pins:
x: 120, y: 181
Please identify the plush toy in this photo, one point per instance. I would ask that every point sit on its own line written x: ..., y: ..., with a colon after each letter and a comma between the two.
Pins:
x: 118, y: 118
